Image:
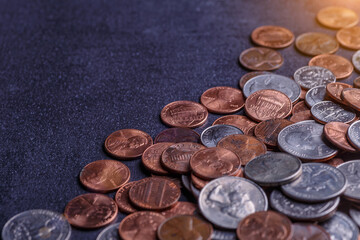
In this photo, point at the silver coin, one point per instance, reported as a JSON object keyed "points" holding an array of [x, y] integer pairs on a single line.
{"points": [[303, 211], [110, 233], [315, 95], [227, 200], [351, 170], [305, 140], [37, 224], [328, 111], [353, 134], [341, 227], [194, 190], [355, 215], [223, 235], [273, 81], [273, 169], [186, 182], [311, 76], [318, 182], [213, 134], [356, 60]]}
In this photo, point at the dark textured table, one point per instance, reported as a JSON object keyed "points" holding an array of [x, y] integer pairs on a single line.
{"points": [[72, 72]]}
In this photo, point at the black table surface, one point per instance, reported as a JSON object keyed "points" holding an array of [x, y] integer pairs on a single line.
{"points": [[72, 72]]}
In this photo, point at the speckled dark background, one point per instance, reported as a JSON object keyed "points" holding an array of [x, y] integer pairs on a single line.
{"points": [[72, 72]]}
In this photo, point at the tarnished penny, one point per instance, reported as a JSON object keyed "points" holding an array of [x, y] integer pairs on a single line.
{"points": [[300, 107], [152, 156], [122, 198], [175, 135], [246, 77], [261, 59], [356, 60], [91, 210], [180, 208], [352, 97], [335, 132], [357, 82], [301, 116], [334, 90], [242, 122], [267, 131], [198, 182], [222, 100], [272, 36], [339, 66], [337, 17], [154, 193], [314, 43], [303, 231], [268, 104], [349, 37], [104, 175], [127, 143], [185, 114], [335, 162]]}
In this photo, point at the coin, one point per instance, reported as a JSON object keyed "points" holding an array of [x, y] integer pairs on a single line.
{"points": [[303, 231], [333, 90], [268, 104], [37, 224], [109, 233], [185, 114], [309, 76], [180, 208], [341, 227], [127, 143], [272, 36], [356, 60], [194, 191], [300, 107], [220, 234], [352, 97], [302, 116], [186, 182], [335, 132], [355, 215], [213, 134], [246, 77], [349, 37], [261, 59], [315, 95], [91, 210], [351, 171], [227, 200], [327, 111], [353, 135], [339, 66], [357, 82], [334, 162], [242, 122], [314, 43], [175, 135], [152, 156], [222, 100], [267, 131], [337, 17], [122, 198], [198, 182]]}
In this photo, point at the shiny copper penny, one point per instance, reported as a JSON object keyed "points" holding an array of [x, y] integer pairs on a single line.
{"points": [[303, 231], [122, 198], [140, 225], [264, 225], [352, 97], [174, 179], [337, 17], [335, 162], [268, 104], [261, 59], [268, 131], [301, 116], [272, 36], [223, 100], [185, 114], [339, 66], [300, 107], [198, 182], [357, 82], [154, 193], [104, 175], [184, 227], [180, 208], [314, 43], [242, 122], [246, 147], [334, 90], [152, 156], [349, 37], [335, 132], [127, 143], [246, 77], [175, 135], [91, 210]]}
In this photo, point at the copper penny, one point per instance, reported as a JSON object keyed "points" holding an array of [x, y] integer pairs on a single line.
{"points": [[334, 90], [352, 97], [335, 162], [349, 37], [175, 180], [127, 143], [242, 122], [246, 147], [301, 116], [303, 231], [104, 175], [211, 163], [176, 158], [302, 94], [152, 156], [357, 82], [198, 182], [184, 227], [185, 114], [140, 225], [122, 198], [261, 59], [337, 17], [268, 131], [91, 210], [175, 135], [246, 77], [264, 225], [300, 107], [339, 66], [154, 193], [268, 104], [180, 208], [272, 36], [335, 132], [313, 43]]}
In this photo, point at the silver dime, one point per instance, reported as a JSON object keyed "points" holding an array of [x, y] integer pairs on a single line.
{"points": [[311, 76], [273, 81], [303, 211], [315, 95], [356, 60], [223, 235], [186, 182], [304, 140], [37, 224], [328, 111], [110, 233], [318, 182], [273, 169], [355, 215], [341, 227], [353, 134], [351, 170], [227, 200], [213, 134]]}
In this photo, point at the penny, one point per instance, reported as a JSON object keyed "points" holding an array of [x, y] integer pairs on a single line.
{"points": [[302, 116], [310, 76], [37, 224], [175, 135], [268, 131], [341, 227], [335, 162], [339, 66], [220, 234], [349, 37], [265, 225], [140, 225], [261, 59], [122, 198], [267, 104], [185, 227], [245, 147], [152, 156], [355, 215], [185, 114], [300, 107], [198, 182], [104, 175], [356, 60], [327, 111], [353, 134], [352, 97], [246, 77], [227, 200], [180, 208], [242, 122], [109, 233], [213, 134], [272, 36], [314, 43], [91, 210], [154, 193], [303, 231], [337, 17], [176, 157], [315, 95], [335, 132], [127, 143], [222, 100], [333, 90], [174, 179], [357, 82], [351, 171]]}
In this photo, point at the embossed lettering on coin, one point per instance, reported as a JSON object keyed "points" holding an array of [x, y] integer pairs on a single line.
{"points": [[268, 131], [309, 76], [327, 111], [152, 156], [261, 59], [315, 95], [213, 134]]}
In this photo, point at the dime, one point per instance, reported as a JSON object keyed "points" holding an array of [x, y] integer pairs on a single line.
{"points": [[333, 90], [353, 134], [314, 43], [335, 162], [355, 215], [356, 60], [194, 191], [109, 233], [327, 111], [351, 170], [335, 132], [213, 134], [227, 200], [242, 122], [175, 135], [349, 37], [152, 156], [309, 76], [268, 131], [91, 210], [339, 66], [357, 82], [315, 95], [220, 234], [222, 100], [186, 182], [300, 107], [185, 114], [341, 227], [352, 97], [246, 77], [37, 224], [122, 198], [302, 231], [180, 208], [302, 116], [337, 17], [261, 59], [272, 36], [198, 182]]}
